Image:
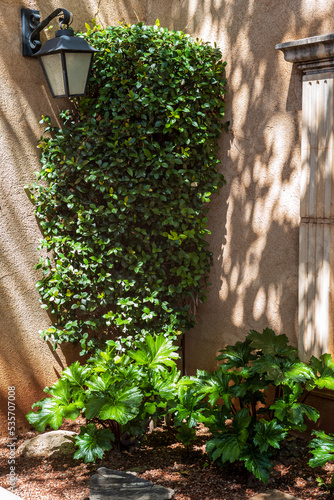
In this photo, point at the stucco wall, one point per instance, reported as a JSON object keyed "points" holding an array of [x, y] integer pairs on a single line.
{"points": [[255, 220], [26, 362]]}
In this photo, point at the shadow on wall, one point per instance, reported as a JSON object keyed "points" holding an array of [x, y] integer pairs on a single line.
{"points": [[26, 362], [255, 220]]}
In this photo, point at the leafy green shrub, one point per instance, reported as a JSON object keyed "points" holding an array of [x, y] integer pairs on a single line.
{"points": [[124, 186], [322, 445], [118, 393], [233, 400], [322, 448]]}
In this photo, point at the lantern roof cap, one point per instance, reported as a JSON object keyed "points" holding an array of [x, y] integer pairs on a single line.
{"points": [[65, 41]]}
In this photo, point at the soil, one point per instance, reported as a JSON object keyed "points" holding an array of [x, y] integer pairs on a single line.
{"points": [[164, 461]]}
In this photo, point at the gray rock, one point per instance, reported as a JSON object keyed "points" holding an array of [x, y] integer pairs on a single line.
{"points": [[273, 495], [116, 485], [53, 444]]}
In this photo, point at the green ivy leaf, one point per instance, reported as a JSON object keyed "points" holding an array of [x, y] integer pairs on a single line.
{"points": [[113, 184]]}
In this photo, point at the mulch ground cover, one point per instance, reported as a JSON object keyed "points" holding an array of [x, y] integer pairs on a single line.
{"points": [[164, 461]]}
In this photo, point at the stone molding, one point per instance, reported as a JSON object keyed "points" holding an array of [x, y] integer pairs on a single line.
{"points": [[312, 55]]}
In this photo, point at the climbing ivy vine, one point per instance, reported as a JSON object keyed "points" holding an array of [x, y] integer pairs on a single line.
{"points": [[124, 186]]}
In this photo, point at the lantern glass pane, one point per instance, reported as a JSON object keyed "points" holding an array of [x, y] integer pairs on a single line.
{"points": [[77, 65], [52, 64]]}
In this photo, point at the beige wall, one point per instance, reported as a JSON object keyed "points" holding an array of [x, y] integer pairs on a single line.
{"points": [[255, 220], [26, 362]]}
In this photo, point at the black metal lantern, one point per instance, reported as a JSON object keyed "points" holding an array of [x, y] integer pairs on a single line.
{"points": [[66, 60]]}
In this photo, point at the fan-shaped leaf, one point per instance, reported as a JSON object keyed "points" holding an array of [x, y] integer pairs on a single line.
{"points": [[76, 374], [238, 355], [323, 369], [155, 352], [257, 464], [268, 434], [52, 412], [271, 344], [93, 443], [322, 448], [227, 447], [120, 403]]}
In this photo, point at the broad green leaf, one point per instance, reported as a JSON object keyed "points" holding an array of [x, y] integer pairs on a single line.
{"points": [[310, 412], [326, 381], [323, 369], [188, 407], [93, 442], [292, 414], [51, 412], [322, 448], [120, 403], [61, 391], [227, 447], [94, 404], [271, 344], [281, 409], [216, 418], [165, 383], [238, 355], [212, 445], [147, 153], [298, 372], [76, 374], [150, 408], [270, 367], [99, 383], [241, 422], [258, 464], [216, 385], [268, 434], [155, 352]]}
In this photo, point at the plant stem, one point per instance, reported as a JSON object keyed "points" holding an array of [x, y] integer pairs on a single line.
{"points": [[305, 397], [253, 407]]}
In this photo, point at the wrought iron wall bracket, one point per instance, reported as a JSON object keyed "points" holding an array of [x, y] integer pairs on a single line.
{"points": [[31, 28]]}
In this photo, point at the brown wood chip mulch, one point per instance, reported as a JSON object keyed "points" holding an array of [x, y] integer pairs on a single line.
{"points": [[162, 460]]}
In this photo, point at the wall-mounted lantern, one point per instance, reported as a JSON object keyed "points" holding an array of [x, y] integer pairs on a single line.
{"points": [[66, 60]]}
